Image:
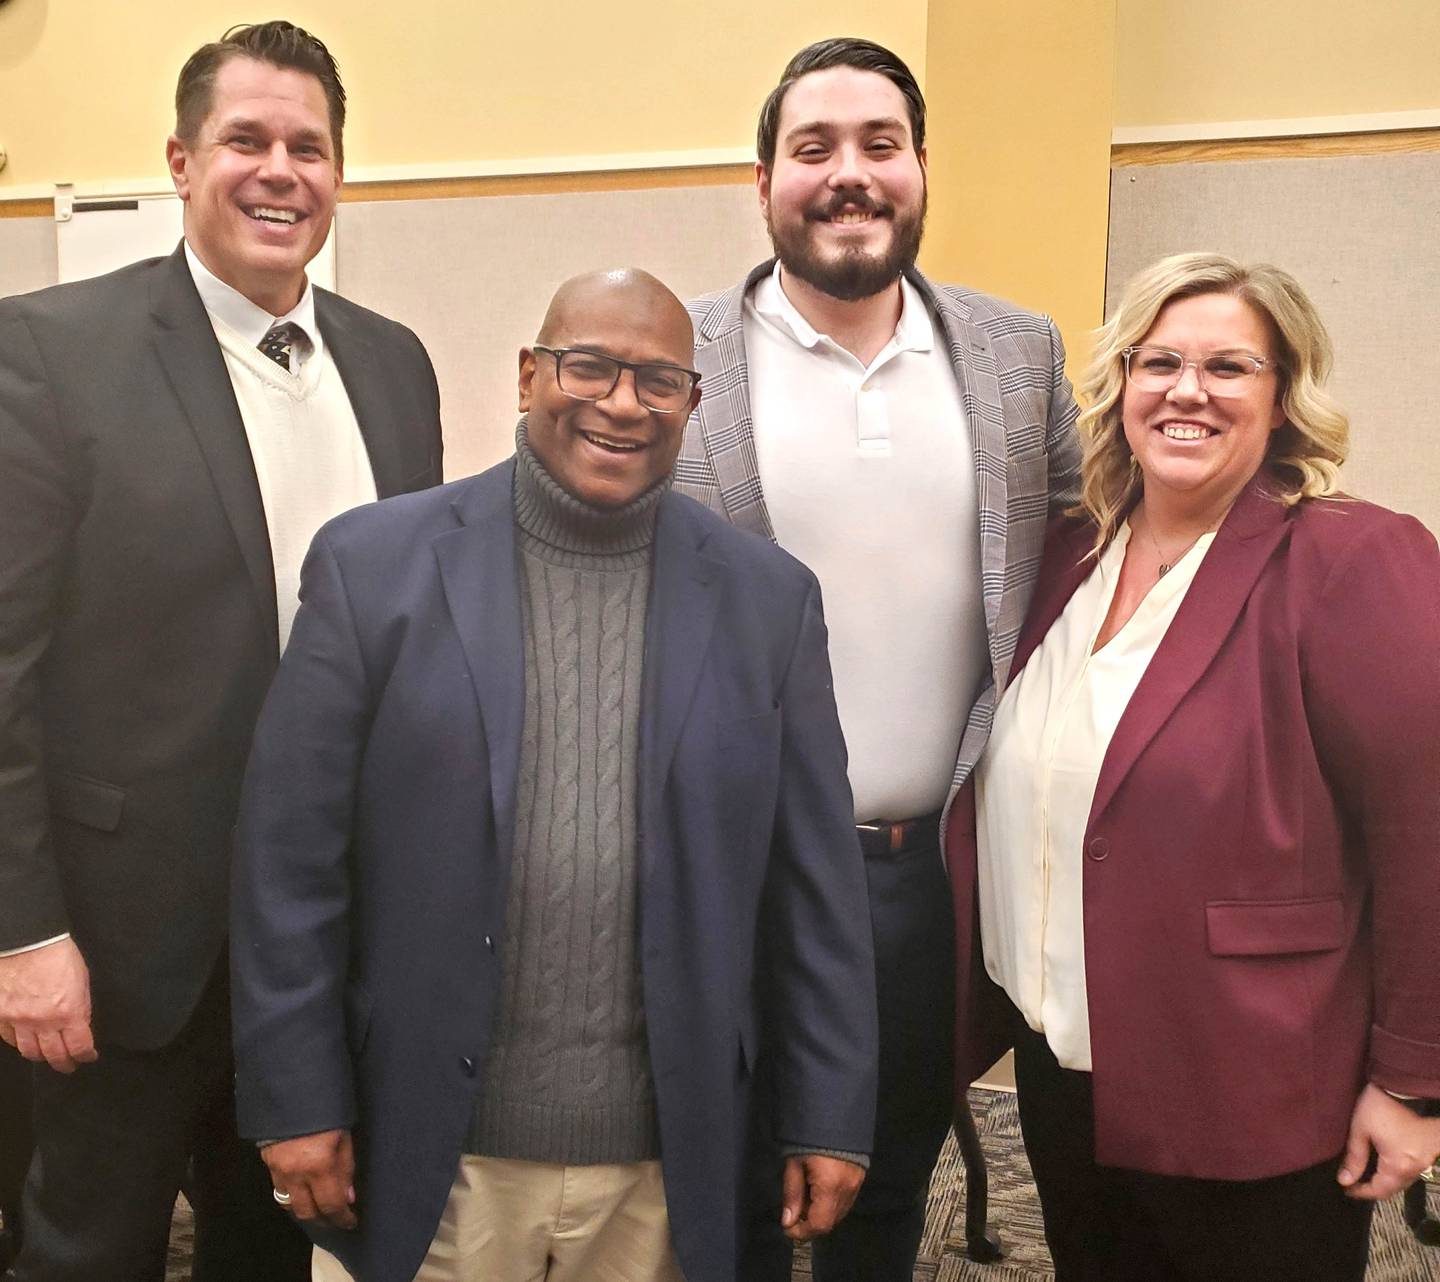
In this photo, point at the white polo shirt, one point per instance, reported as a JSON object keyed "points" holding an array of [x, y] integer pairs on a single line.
{"points": [[869, 478]]}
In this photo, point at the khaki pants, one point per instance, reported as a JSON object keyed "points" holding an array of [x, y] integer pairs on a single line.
{"points": [[509, 1221]]}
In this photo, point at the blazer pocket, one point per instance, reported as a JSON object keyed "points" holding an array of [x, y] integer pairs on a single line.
{"points": [[1027, 464], [748, 732], [1028, 472], [421, 480], [1274, 927], [86, 801]]}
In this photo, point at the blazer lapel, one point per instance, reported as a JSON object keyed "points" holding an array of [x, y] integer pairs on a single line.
{"points": [[974, 362], [1249, 535], [724, 417], [1065, 567], [685, 590], [373, 395], [482, 590], [192, 360]]}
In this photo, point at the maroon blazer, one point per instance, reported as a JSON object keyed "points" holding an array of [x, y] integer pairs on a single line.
{"points": [[1262, 859]]}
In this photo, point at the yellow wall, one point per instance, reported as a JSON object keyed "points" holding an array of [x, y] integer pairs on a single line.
{"points": [[1020, 106], [86, 87], [1023, 95], [1183, 62]]}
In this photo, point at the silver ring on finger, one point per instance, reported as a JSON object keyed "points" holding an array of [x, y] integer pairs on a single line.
{"points": [[281, 1196]]}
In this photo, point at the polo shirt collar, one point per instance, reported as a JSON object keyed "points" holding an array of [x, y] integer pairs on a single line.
{"points": [[914, 332]]}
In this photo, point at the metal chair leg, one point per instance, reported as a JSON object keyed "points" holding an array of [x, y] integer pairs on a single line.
{"points": [[982, 1244], [1425, 1226]]}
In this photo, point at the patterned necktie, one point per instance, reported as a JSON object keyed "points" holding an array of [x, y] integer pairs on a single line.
{"points": [[278, 342]]}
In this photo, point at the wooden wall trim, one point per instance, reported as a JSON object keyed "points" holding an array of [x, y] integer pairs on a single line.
{"points": [[27, 208], [1394, 142], [550, 184], [737, 175]]}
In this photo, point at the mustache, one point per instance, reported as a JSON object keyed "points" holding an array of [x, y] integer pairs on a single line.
{"points": [[855, 200]]}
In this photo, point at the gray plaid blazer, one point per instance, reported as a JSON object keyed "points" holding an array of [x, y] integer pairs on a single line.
{"points": [[1009, 364]]}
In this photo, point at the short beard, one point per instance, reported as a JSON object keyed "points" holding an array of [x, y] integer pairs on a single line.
{"points": [[854, 274]]}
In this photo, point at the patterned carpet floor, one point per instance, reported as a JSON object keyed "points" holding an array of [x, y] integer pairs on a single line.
{"points": [[1395, 1255]]}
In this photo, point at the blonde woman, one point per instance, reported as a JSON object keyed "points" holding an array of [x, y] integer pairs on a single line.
{"points": [[1208, 821]]}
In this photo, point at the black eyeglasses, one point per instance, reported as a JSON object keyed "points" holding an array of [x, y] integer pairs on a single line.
{"points": [[592, 376]]}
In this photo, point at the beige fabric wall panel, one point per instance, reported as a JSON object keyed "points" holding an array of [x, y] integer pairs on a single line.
{"points": [[27, 255], [473, 276], [1360, 234]]}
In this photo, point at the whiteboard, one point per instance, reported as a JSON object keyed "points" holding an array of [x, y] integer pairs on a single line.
{"points": [[102, 235], [471, 275]]}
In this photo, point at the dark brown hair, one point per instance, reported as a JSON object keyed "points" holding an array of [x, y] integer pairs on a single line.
{"points": [[839, 51], [281, 44]]}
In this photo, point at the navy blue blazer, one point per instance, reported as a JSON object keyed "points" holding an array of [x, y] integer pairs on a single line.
{"points": [[374, 849]]}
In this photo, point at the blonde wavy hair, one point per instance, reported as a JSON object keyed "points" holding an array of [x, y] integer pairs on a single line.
{"points": [[1305, 451]]}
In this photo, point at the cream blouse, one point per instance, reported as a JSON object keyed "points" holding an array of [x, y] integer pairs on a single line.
{"points": [[1035, 786]]}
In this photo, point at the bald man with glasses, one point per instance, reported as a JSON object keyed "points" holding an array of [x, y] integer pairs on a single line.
{"points": [[550, 750]]}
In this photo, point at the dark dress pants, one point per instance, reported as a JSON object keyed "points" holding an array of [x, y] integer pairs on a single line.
{"points": [[116, 1140], [914, 929], [14, 1145], [1105, 1224]]}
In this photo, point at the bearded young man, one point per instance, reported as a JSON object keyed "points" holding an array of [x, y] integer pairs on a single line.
{"points": [[908, 442]]}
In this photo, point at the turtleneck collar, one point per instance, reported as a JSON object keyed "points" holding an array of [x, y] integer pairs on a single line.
{"points": [[557, 520]]}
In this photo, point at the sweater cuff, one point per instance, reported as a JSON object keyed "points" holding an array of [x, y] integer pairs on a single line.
{"points": [[862, 1160]]}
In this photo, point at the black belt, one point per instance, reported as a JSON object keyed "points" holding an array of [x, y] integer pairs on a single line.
{"points": [[881, 837]]}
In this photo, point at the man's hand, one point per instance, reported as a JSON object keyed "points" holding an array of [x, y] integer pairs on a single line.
{"points": [[318, 1172], [45, 1005], [817, 1194], [1405, 1143]]}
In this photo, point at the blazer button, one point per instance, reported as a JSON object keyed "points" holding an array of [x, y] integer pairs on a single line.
{"points": [[467, 1066], [489, 943], [1099, 848]]}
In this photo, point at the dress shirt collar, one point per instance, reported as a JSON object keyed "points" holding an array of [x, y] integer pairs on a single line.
{"points": [[914, 332], [229, 306]]}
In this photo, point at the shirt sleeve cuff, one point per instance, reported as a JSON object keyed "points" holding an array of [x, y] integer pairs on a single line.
{"points": [[30, 948]]}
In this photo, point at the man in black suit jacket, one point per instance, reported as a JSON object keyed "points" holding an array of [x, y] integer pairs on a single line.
{"points": [[170, 437]]}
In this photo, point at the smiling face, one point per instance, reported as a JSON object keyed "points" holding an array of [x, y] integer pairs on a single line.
{"points": [[608, 452], [1193, 446], [259, 180], [844, 199]]}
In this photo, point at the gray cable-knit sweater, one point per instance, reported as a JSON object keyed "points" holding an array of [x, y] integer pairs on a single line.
{"points": [[568, 1077]]}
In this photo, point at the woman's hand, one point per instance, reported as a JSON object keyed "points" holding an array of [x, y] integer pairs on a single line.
{"points": [[1406, 1144]]}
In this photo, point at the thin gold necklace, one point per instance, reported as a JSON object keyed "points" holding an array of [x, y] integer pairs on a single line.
{"points": [[1167, 565]]}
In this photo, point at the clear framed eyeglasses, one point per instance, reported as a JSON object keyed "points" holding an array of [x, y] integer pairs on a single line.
{"points": [[1158, 369]]}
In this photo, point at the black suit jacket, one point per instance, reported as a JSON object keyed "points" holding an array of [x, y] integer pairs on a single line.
{"points": [[137, 616]]}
